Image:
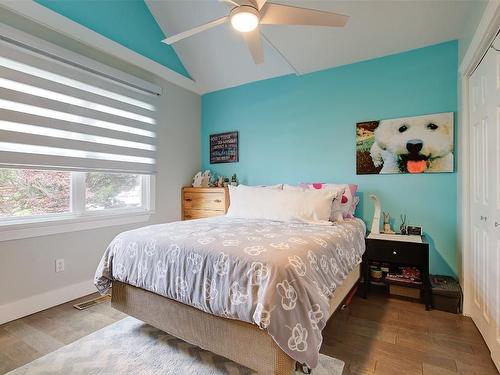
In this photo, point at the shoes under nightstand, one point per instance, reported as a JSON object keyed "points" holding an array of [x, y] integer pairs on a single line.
{"points": [[398, 251]]}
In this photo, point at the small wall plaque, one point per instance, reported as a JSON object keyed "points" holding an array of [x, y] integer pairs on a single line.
{"points": [[224, 148], [414, 230]]}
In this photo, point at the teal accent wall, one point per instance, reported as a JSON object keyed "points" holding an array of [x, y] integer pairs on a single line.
{"points": [[302, 129], [128, 22]]}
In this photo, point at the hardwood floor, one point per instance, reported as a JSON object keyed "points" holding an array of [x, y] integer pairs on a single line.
{"points": [[382, 335], [379, 335], [26, 339]]}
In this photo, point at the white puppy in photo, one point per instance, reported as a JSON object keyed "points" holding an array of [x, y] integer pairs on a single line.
{"points": [[415, 144]]}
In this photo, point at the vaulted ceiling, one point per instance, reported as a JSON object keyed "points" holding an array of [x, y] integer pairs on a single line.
{"points": [[128, 22], [218, 58]]}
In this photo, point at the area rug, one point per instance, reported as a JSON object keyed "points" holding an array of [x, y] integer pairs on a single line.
{"points": [[130, 346]]}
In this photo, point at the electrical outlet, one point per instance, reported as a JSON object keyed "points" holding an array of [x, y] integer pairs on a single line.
{"points": [[59, 265]]}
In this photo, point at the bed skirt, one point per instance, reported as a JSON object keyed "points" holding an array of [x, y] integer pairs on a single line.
{"points": [[238, 341]]}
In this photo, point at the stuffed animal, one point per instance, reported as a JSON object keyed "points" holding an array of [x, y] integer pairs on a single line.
{"points": [[213, 181], [197, 180], [205, 179], [220, 181]]}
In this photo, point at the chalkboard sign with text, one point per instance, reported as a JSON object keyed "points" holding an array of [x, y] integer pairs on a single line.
{"points": [[224, 148]]}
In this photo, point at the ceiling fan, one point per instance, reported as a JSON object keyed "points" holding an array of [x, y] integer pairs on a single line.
{"points": [[246, 16]]}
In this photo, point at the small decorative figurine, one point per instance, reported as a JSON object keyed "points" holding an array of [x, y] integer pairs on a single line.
{"points": [[205, 178], [376, 215], [387, 225], [197, 180], [220, 181], [226, 182], [402, 227], [213, 181], [234, 180]]}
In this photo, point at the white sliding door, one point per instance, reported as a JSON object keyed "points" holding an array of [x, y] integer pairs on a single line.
{"points": [[485, 199]]}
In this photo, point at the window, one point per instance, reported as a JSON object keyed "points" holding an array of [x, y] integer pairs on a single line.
{"points": [[112, 190], [30, 194], [25, 192], [77, 141]]}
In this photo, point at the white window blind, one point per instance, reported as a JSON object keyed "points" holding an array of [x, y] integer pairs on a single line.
{"points": [[57, 116]]}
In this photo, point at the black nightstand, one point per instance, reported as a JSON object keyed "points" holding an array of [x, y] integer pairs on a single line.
{"points": [[398, 253]]}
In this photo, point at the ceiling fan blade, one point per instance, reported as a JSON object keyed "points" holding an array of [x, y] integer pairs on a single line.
{"points": [[260, 3], [276, 14], [195, 30], [254, 44], [236, 3]]}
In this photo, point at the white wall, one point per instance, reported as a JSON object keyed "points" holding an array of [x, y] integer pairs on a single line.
{"points": [[27, 277], [469, 28]]}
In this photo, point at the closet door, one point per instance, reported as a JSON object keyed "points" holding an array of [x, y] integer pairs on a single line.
{"points": [[494, 213], [485, 199]]}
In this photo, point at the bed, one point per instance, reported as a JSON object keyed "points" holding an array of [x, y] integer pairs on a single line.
{"points": [[258, 292]]}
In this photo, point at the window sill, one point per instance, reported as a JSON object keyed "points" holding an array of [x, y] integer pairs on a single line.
{"points": [[35, 227]]}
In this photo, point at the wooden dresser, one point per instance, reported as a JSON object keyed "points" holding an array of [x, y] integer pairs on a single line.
{"points": [[198, 203]]}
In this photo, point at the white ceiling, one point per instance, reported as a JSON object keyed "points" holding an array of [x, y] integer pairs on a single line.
{"points": [[218, 58]]}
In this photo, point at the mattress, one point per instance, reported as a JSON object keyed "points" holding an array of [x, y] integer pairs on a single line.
{"points": [[279, 276]]}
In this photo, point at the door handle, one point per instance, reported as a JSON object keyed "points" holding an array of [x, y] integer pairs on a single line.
{"points": [[217, 201], [484, 218], [497, 224], [189, 200], [395, 252]]}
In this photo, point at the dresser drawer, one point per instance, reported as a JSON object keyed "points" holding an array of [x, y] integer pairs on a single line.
{"points": [[199, 203], [204, 201], [415, 254], [201, 214]]}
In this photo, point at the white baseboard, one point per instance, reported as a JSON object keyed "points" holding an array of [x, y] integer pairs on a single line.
{"points": [[27, 306]]}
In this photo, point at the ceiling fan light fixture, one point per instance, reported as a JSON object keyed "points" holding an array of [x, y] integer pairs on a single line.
{"points": [[244, 18]]}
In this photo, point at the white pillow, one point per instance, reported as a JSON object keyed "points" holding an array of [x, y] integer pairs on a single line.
{"points": [[277, 186], [336, 207], [294, 187], [312, 206]]}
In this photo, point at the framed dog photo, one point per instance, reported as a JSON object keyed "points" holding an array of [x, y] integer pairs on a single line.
{"points": [[420, 144]]}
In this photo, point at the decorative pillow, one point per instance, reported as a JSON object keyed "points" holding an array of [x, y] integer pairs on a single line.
{"points": [[312, 206], [335, 211], [342, 208], [353, 207], [349, 201]]}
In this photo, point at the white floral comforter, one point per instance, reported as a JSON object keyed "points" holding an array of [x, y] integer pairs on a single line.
{"points": [[277, 275]]}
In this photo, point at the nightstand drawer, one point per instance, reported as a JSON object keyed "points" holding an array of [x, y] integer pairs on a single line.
{"points": [[201, 214], [205, 201], [397, 252]]}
